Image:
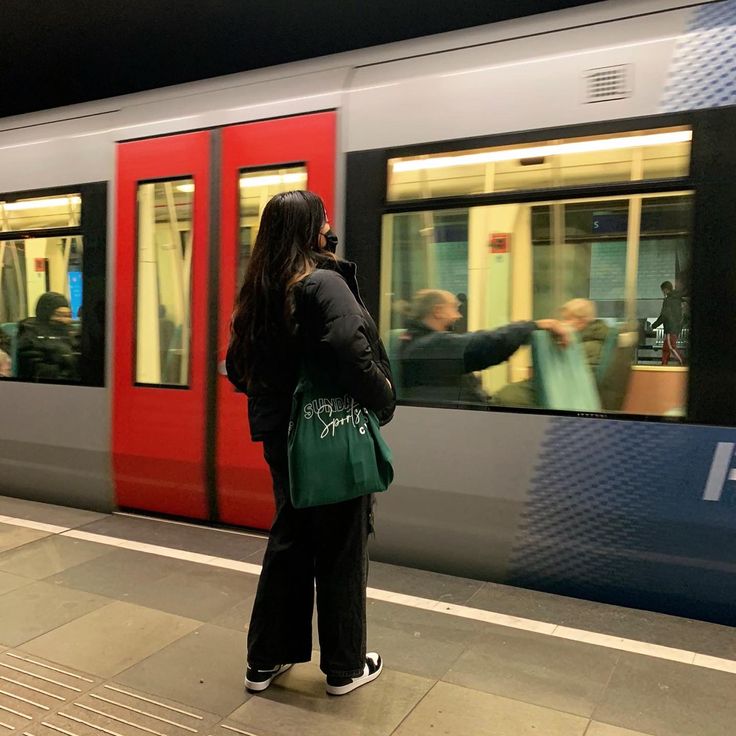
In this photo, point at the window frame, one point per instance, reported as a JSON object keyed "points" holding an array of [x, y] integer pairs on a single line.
{"points": [[710, 398], [145, 384]]}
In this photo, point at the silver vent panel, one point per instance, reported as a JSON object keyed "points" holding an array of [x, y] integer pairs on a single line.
{"points": [[608, 83]]}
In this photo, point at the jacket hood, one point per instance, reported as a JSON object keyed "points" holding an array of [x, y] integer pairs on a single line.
{"points": [[48, 303]]}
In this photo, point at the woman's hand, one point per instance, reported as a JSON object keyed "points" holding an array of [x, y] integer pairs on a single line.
{"points": [[559, 330]]}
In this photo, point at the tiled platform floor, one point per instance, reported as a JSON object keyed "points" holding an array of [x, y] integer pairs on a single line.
{"points": [[111, 638]]}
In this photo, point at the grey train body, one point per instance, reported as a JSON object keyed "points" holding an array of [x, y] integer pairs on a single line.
{"points": [[559, 503]]}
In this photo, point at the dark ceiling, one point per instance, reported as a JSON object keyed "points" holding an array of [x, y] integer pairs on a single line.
{"points": [[58, 52]]}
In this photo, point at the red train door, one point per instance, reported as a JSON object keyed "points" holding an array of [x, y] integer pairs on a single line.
{"points": [[188, 210], [258, 160], [159, 388]]}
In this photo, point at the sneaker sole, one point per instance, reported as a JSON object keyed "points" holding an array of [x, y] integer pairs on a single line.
{"points": [[345, 689], [258, 687]]}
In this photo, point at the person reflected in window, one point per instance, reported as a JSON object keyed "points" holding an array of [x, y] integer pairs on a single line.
{"points": [[47, 347], [581, 316], [438, 365], [670, 317]]}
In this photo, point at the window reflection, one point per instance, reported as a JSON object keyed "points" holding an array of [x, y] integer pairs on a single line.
{"points": [[664, 315], [451, 277]]}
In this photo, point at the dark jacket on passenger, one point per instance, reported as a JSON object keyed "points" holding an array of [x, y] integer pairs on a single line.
{"points": [[671, 315], [438, 365], [336, 338], [47, 351]]}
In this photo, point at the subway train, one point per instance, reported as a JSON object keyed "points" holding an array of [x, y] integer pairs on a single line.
{"points": [[581, 154]]}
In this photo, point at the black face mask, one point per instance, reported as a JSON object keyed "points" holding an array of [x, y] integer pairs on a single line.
{"points": [[331, 238]]}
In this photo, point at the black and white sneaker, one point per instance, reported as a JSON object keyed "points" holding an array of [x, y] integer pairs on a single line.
{"points": [[344, 685], [258, 680]]}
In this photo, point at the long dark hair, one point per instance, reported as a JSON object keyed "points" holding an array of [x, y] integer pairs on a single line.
{"points": [[287, 249]]}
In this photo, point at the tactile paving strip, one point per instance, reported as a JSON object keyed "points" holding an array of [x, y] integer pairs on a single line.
{"points": [[31, 689], [225, 729], [39, 698]]}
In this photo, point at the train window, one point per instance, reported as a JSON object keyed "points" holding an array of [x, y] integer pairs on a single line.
{"points": [[52, 285], [632, 156], [163, 315], [662, 306], [256, 187], [597, 263], [40, 213]]}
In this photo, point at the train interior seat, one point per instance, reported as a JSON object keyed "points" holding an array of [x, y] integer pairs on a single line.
{"points": [[607, 352], [562, 377], [614, 369]]}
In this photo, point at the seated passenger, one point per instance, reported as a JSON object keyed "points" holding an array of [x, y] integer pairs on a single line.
{"points": [[6, 364], [47, 347], [437, 364], [581, 316]]}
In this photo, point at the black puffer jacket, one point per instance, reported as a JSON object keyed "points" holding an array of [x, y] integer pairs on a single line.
{"points": [[47, 352], [671, 315], [336, 337]]}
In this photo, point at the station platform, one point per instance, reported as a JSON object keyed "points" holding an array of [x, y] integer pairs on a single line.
{"points": [[120, 625]]}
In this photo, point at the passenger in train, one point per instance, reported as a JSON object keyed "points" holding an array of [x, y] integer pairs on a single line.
{"points": [[581, 316], [670, 317], [6, 364], [47, 346], [300, 304], [437, 364]]}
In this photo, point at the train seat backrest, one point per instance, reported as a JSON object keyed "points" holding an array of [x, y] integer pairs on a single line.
{"points": [[614, 380], [608, 350], [11, 330], [562, 378]]}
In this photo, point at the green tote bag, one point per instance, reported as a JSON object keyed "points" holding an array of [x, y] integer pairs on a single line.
{"points": [[336, 451]]}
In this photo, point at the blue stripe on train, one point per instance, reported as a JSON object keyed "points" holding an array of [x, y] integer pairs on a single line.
{"points": [[617, 511]]}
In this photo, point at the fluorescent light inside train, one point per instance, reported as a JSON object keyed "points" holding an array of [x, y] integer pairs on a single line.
{"points": [[559, 149], [272, 180], [39, 204], [252, 182]]}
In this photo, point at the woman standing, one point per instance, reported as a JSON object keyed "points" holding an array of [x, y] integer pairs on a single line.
{"points": [[300, 305]]}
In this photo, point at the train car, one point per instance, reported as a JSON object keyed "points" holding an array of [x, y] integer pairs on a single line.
{"points": [[582, 154]]}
